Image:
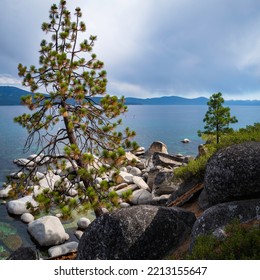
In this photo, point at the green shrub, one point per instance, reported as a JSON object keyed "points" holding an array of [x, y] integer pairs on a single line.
{"points": [[241, 243], [196, 168]]}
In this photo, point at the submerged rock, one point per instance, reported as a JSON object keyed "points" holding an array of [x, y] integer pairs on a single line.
{"points": [[139, 232], [24, 253]]}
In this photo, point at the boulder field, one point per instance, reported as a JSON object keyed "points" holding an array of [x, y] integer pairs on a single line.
{"points": [[148, 224]]}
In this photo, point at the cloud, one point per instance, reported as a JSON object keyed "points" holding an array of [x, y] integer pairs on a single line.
{"points": [[6, 79], [150, 47]]}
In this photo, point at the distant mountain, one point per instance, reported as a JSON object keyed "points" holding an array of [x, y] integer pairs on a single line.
{"points": [[166, 100], [12, 96]]}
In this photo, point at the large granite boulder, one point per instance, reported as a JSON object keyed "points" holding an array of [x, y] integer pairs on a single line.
{"points": [[156, 146], [48, 231], [233, 174], [218, 216], [139, 232], [163, 183]]}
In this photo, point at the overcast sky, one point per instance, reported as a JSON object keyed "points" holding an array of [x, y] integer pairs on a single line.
{"points": [[151, 48]]}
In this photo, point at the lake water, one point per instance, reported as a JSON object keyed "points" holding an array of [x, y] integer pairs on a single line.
{"points": [[169, 124]]}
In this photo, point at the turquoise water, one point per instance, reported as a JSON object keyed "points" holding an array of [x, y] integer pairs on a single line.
{"points": [[169, 124]]}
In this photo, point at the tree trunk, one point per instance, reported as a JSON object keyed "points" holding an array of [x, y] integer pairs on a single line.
{"points": [[72, 139]]}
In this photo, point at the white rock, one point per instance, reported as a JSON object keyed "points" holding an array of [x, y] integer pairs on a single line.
{"points": [[35, 158], [131, 187], [48, 231], [140, 183], [118, 187], [140, 197], [124, 169], [139, 151], [135, 171], [124, 205], [27, 218], [83, 223], [78, 233], [63, 249], [72, 192], [124, 177], [185, 140], [19, 206], [4, 192], [24, 162], [15, 175], [39, 175], [49, 180], [131, 157], [104, 210]]}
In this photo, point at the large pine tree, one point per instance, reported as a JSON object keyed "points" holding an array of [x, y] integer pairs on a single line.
{"points": [[67, 122]]}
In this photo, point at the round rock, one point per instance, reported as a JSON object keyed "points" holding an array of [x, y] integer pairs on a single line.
{"points": [[83, 223], [27, 218]]}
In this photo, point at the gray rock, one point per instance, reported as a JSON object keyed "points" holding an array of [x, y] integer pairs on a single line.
{"points": [[4, 193], [139, 232], [160, 200], [78, 233], [202, 150], [27, 218], [64, 249], [124, 177], [131, 158], [156, 146], [131, 187], [141, 183], [139, 197], [135, 171], [164, 160], [124, 205], [233, 173], [48, 231], [163, 183], [19, 206], [83, 223], [118, 187], [139, 151], [222, 214], [24, 162]]}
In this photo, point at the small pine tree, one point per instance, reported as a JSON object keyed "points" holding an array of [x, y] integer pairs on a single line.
{"points": [[69, 123], [217, 118]]}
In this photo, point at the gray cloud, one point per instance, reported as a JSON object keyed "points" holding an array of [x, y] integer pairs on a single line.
{"points": [[153, 48]]}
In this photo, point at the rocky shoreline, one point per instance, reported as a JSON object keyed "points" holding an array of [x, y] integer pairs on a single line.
{"points": [[148, 224]]}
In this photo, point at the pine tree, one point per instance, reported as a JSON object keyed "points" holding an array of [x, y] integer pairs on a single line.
{"points": [[69, 122], [217, 118]]}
